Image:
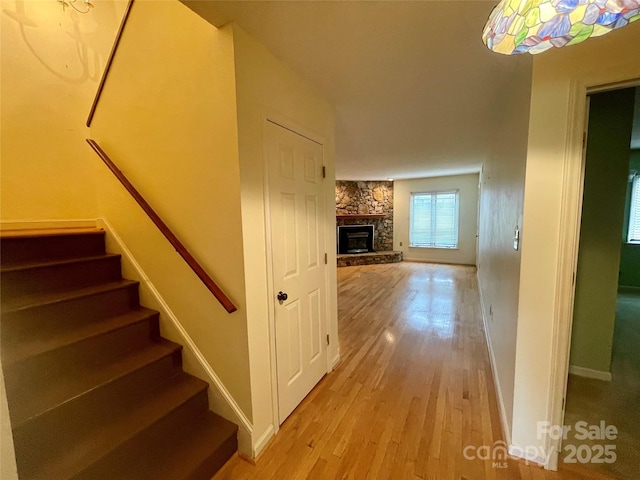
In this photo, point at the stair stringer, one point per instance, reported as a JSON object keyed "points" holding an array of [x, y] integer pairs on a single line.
{"points": [[193, 361], [8, 468]]}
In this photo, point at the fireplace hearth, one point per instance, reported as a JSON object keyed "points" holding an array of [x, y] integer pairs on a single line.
{"points": [[355, 239]]}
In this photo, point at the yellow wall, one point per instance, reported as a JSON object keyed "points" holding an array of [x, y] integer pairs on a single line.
{"points": [[555, 128], [267, 88], [167, 117], [51, 63], [170, 118], [467, 185], [182, 114]]}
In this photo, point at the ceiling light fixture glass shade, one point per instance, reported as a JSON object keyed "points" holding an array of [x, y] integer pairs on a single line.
{"points": [[533, 26]]}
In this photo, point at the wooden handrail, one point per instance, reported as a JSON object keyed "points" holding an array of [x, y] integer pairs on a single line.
{"points": [[155, 218], [107, 66]]}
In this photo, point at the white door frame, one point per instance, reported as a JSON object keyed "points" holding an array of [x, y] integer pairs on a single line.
{"points": [[292, 126], [570, 218], [478, 210]]}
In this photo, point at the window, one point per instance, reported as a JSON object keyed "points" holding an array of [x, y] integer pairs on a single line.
{"points": [[634, 215], [434, 220]]}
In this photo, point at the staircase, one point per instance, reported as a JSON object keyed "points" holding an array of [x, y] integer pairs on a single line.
{"points": [[94, 391]]}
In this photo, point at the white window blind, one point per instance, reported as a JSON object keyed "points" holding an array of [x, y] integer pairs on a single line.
{"points": [[434, 220], [634, 216]]}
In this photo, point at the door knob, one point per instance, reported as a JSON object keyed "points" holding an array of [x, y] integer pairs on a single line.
{"points": [[282, 297]]}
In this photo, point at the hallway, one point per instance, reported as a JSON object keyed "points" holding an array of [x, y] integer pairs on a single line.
{"points": [[413, 388]]}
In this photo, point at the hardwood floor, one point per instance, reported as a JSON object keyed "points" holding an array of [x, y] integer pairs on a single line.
{"points": [[412, 394]]}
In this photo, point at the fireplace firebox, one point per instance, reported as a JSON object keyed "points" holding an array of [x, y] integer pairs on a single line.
{"points": [[355, 238]]}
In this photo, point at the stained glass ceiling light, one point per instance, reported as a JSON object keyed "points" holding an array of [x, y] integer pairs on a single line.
{"points": [[533, 26]]}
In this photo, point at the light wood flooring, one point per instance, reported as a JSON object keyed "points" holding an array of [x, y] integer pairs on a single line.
{"points": [[413, 388]]}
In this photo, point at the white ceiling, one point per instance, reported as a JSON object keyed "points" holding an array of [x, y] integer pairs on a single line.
{"points": [[412, 83]]}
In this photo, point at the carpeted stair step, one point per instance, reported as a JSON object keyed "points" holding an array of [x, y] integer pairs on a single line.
{"points": [[137, 322], [66, 452], [46, 314], [89, 354], [191, 452], [83, 409], [34, 246], [93, 391], [31, 279], [29, 397]]}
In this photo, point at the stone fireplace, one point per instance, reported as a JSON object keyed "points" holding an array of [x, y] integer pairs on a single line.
{"points": [[370, 203], [364, 217]]}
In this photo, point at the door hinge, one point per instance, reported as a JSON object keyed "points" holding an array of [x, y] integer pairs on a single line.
{"points": [[325, 258], [324, 172], [328, 342], [584, 140]]}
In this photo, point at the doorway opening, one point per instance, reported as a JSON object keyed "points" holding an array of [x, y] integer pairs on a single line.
{"points": [[601, 419]]}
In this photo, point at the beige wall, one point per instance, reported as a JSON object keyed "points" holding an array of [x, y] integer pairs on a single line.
{"points": [[167, 117], [267, 88], [501, 200], [51, 63], [560, 79], [467, 185]]}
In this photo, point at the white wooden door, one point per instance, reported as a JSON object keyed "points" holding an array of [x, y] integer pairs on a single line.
{"points": [[296, 205]]}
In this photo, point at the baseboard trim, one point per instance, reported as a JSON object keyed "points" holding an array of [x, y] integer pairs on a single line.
{"points": [[629, 289], [492, 360], [212, 377], [522, 453], [335, 361], [262, 441], [437, 262], [590, 373]]}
